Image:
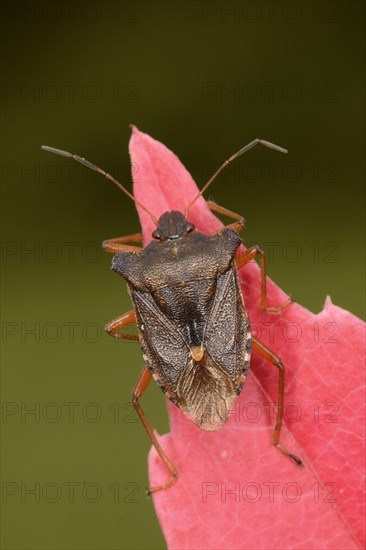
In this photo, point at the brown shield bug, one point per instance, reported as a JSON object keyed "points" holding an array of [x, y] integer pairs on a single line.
{"points": [[193, 327]]}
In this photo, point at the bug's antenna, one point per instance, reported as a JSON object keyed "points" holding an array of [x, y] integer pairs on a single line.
{"points": [[97, 169], [233, 157]]}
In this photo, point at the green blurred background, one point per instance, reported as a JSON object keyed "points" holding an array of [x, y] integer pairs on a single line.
{"points": [[204, 78]]}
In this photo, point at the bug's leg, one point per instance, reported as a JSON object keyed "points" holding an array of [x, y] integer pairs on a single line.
{"points": [[116, 245], [245, 257], [239, 225], [275, 360], [113, 327], [141, 385], [248, 255]]}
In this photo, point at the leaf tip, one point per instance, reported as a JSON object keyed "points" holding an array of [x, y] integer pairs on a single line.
{"points": [[328, 302]]}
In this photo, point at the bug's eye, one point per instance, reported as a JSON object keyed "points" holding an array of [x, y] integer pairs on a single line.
{"points": [[156, 235], [190, 227]]}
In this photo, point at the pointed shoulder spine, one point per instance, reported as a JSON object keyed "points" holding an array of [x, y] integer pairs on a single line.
{"points": [[124, 262], [231, 238]]}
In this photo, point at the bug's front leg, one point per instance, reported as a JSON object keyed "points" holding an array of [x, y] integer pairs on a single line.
{"points": [[245, 257], [116, 244], [113, 327], [141, 385], [239, 225], [275, 360], [248, 255]]}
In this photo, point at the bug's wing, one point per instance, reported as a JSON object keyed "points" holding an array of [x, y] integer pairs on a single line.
{"points": [[164, 349], [227, 336], [207, 390]]}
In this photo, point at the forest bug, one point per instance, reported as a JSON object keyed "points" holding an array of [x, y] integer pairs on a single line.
{"points": [[193, 327]]}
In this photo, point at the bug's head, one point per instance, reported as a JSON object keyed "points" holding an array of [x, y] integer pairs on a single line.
{"points": [[172, 225]]}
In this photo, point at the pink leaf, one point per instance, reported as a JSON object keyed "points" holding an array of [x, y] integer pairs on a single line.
{"points": [[234, 489]]}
